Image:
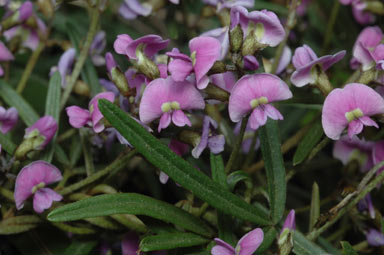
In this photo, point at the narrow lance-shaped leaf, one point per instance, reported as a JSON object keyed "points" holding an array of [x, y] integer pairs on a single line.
{"points": [[309, 141], [171, 241], [315, 206], [10, 96], [274, 165], [224, 221], [303, 246], [129, 203], [79, 248], [347, 249], [7, 144], [52, 108], [177, 168]]}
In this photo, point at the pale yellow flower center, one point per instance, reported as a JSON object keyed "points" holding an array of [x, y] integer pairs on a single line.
{"points": [[353, 115], [258, 101], [37, 187], [170, 106]]}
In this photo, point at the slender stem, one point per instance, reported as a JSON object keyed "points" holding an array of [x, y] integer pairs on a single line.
{"points": [[330, 26], [361, 246], [88, 157], [318, 148], [291, 21], [373, 184], [95, 15], [30, 65], [67, 134], [119, 163], [237, 145]]}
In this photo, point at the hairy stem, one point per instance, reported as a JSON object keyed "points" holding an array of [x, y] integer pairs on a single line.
{"points": [[95, 15]]}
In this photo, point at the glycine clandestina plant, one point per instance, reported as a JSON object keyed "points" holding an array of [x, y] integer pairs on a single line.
{"points": [[214, 127]]}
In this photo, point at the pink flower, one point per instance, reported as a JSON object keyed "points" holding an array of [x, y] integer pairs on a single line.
{"points": [[254, 94], [32, 180], [265, 25], [130, 244], [214, 142], [204, 53], [369, 49], [358, 10], [8, 119], [125, 45], [166, 99], [290, 222], [42, 132], [305, 62], [5, 55], [347, 149], [130, 9], [378, 154], [222, 35], [225, 80], [79, 117], [247, 245], [374, 237], [350, 107]]}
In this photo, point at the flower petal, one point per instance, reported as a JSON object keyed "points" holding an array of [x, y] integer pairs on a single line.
{"points": [[43, 199], [78, 117], [180, 119], [222, 248], [249, 243]]}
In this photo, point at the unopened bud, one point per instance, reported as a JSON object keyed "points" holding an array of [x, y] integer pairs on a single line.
{"points": [[285, 242], [218, 67], [145, 65], [46, 7], [190, 137], [21, 15], [116, 75], [215, 92], [236, 38], [81, 88], [376, 7]]}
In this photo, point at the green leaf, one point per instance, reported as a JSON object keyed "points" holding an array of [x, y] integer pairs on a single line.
{"points": [[79, 248], [7, 144], [129, 203], [315, 206], [10, 96], [171, 241], [18, 224], [274, 165], [224, 221], [178, 169], [309, 141], [88, 74], [270, 235], [327, 246], [347, 249], [236, 177], [303, 246], [52, 108]]}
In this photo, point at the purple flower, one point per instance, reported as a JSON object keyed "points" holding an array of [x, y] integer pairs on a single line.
{"points": [[125, 45], [8, 119], [290, 222], [42, 132], [350, 107], [221, 34], [204, 53], [366, 204], [97, 47], [283, 63], [79, 117], [229, 3], [225, 80], [378, 154], [247, 245], [250, 63], [264, 25], [130, 244], [214, 142], [65, 65], [347, 149], [32, 180], [254, 94], [5, 55], [358, 10], [369, 49], [305, 62], [130, 9], [27, 30], [374, 237], [166, 99]]}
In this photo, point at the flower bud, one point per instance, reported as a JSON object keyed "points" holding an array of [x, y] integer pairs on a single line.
{"points": [[37, 136], [19, 16], [236, 38], [145, 65], [116, 75], [285, 241]]}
